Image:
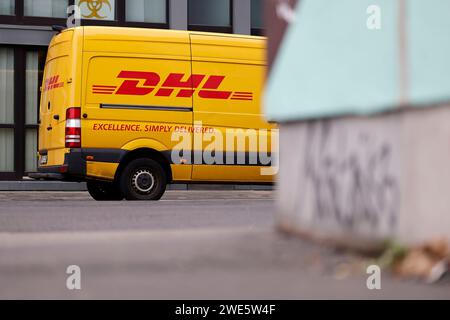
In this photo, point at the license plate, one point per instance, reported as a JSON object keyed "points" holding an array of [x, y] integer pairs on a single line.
{"points": [[43, 160]]}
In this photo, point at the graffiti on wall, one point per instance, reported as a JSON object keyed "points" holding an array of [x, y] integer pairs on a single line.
{"points": [[352, 175]]}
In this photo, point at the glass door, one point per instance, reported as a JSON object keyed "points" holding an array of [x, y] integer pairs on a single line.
{"points": [[34, 68], [21, 70], [7, 119]]}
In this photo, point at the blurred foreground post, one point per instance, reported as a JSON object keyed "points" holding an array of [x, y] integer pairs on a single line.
{"points": [[362, 93]]}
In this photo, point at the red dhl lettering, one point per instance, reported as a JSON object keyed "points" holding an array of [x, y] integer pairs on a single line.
{"points": [[141, 83], [52, 83], [116, 127], [150, 128]]}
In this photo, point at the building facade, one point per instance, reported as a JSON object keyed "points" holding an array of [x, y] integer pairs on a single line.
{"points": [[25, 32]]}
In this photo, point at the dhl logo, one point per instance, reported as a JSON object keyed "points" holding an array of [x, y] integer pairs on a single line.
{"points": [[52, 83], [140, 83]]}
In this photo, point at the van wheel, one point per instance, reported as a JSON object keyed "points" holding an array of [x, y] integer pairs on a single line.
{"points": [[143, 179], [104, 191]]}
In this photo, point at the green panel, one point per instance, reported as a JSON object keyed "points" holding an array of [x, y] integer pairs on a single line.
{"points": [[429, 44], [331, 64]]}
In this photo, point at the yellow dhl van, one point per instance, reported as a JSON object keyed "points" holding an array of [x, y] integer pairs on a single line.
{"points": [[129, 110]]}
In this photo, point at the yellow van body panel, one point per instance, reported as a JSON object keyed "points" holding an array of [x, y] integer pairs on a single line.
{"points": [[102, 170], [145, 143], [156, 90], [243, 63]]}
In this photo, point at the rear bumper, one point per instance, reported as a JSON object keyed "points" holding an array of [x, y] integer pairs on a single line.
{"points": [[73, 169], [46, 176]]}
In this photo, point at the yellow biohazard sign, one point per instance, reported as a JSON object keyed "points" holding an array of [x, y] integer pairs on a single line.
{"points": [[95, 8]]}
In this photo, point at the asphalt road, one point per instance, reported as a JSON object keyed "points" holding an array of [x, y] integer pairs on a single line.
{"points": [[189, 245], [178, 210]]}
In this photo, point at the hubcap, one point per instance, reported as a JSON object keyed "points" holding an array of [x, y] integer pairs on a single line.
{"points": [[143, 181]]}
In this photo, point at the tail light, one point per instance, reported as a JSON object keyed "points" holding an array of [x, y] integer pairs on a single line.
{"points": [[73, 128]]}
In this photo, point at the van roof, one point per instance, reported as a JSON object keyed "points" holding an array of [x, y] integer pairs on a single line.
{"points": [[166, 34]]}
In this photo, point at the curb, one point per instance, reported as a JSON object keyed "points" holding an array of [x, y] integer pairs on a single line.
{"points": [[81, 186], [41, 186]]}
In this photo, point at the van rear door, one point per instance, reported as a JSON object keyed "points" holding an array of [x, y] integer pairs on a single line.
{"points": [[55, 100]]}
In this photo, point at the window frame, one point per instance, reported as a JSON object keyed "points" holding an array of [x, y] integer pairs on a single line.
{"points": [[23, 125], [120, 18], [36, 20], [145, 24], [20, 19], [206, 28], [9, 18], [19, 126], [256, 31], [14, 126]]}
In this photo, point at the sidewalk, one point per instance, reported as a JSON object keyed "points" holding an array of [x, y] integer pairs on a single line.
{"points": [[219, 263]]}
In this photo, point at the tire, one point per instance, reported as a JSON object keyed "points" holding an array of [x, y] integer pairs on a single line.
{"points": [[143, 179], [104, 191]]}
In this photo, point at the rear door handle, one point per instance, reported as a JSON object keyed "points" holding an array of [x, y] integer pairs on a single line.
{"points": [[56, 117], [49, 128]]}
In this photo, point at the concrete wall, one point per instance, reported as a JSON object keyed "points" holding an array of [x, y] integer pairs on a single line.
{"points": [[241, 17], [178, 18], [25, 35], [362, 180]]}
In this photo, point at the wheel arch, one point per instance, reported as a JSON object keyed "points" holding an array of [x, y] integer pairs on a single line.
{"points": [[145, 153]]}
